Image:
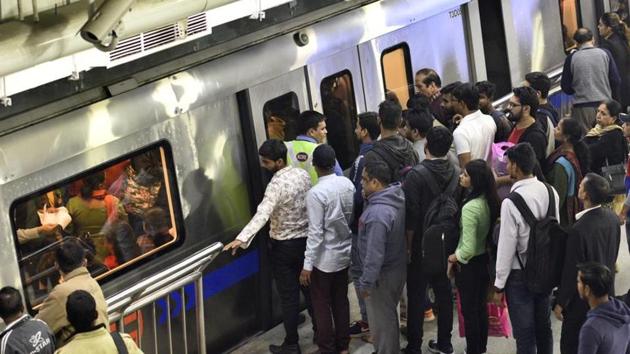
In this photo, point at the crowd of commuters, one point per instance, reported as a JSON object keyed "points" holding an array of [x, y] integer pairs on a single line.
{"points": [[420, 207]]}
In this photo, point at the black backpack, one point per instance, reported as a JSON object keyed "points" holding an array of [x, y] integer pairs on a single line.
{"points": [[441, 224], [545, 247]]}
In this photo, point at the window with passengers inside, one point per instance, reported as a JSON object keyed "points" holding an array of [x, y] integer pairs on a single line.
{"points": [[122, 212]]}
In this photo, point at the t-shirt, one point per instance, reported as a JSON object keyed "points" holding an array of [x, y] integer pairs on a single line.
{"points": [[515, 136], [475, 135]]}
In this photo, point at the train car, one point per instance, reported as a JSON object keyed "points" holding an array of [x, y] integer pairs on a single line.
{"points": [[184, 145]]}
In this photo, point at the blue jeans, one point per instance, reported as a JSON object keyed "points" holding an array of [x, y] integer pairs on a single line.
{"points": [[530, 316], [355, 274]]}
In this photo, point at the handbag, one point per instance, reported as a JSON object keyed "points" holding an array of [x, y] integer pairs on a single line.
{"points": [[498, 318], [615, 174]]}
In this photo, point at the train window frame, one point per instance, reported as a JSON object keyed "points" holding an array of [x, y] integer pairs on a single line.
{"points": [[353, 119], [578, 19], [172, 197], [294, 99], [408, 68]]}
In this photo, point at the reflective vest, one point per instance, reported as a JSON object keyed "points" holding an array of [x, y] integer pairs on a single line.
{"points": [[300, 154]]}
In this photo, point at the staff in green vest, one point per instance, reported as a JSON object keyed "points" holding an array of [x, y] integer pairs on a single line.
{"points": [[312, 132]]}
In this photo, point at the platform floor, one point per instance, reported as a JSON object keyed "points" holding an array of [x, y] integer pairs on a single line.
{"points": [[260, 344]]}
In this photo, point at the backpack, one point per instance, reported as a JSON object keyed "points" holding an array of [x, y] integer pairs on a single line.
{"points": [[547, 121], [545, 247], [441, 224], [504, 127]]}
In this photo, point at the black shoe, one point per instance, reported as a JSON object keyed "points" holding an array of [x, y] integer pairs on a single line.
{"points": [[285, 349], [433, 348], [409, 351]]}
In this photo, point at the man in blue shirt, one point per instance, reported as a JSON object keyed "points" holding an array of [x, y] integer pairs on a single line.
{"points": [[327, 256]]}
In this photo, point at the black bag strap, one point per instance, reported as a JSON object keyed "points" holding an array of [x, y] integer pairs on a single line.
{"points": [[120, 343], [551, 209], [527, 214]]}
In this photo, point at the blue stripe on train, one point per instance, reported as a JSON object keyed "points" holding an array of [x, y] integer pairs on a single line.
{"points": [[213, 283]]}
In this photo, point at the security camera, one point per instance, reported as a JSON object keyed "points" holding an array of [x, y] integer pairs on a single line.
{"points": [[301, 38], [101, 29]]}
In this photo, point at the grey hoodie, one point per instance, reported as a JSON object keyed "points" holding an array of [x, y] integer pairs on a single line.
{"points": [[381, 239], [606, 330]]}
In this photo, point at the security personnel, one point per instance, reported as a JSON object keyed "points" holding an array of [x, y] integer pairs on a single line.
{"points": [[312, 132]]}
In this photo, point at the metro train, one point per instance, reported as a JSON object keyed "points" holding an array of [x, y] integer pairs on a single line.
{"points": [[188, 142]]}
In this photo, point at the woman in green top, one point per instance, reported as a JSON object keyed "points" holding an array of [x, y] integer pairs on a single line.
{"points": [[479, 212]]}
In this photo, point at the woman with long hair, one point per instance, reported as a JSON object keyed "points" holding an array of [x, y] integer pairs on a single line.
{"points": [[566, 166], [479, 212], [613, 38], [605, 141]]}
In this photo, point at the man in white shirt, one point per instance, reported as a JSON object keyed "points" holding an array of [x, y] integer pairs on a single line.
{"points": [[284, 206], [327, 256], [474, 136], [529, 312]]}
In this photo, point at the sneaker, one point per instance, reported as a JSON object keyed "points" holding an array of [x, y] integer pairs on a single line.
{"points": [[359, 328], [429, 316], [433, 348], [285, 349]]}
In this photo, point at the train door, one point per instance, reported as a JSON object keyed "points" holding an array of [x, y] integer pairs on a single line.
{"points": [[275, 106], [336, 88]]}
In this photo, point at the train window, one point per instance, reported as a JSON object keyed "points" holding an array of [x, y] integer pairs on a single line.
{"points": [[340, 109], [397, 73], [570, 20], [124, 213], [280, 116]]}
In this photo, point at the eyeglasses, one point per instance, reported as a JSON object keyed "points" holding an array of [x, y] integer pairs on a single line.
{"points": [[511, 105]]}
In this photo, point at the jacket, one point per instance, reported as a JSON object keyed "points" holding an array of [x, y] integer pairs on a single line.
{"points": [[381, 239], [418, 196], [396, 151], [97, 341], [594, 237], [606, 330], [620, 52], [355, 176], [27, 335], [536, 137], [53, 309], [609, 147]]}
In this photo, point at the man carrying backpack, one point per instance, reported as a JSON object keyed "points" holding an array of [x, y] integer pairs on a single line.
{"points": [[431, 222], [525, 261], [393, 149]]}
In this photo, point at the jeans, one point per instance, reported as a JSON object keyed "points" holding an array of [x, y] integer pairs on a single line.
{"points": [[417, 282], [287, 260], [530, 316], [329, 294], [472, 282], [355, 274]]}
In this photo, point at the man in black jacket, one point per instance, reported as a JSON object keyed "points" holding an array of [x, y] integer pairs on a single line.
{"points": [[22, 334], [594, 237], [417, 199], [393, 149]]}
